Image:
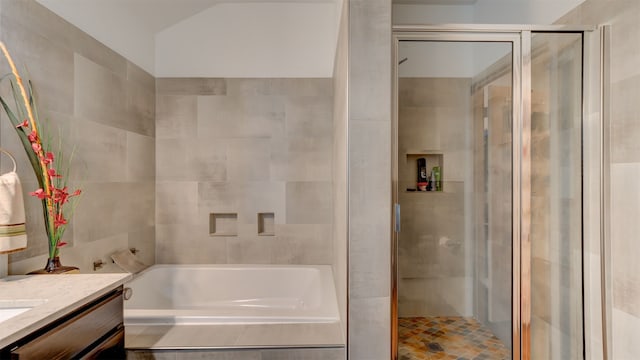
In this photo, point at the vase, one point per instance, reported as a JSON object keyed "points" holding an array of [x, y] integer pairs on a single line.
{"points": [[55, 267]]}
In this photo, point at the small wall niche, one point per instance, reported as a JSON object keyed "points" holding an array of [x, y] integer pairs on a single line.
{"points": [[223, 224], [266, 224], [433, 159]]}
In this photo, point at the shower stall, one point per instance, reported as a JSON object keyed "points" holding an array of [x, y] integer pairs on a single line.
{"points": [[488, 192]]}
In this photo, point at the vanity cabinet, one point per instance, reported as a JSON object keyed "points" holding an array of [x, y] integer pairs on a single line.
{"points": [[94, 331]]}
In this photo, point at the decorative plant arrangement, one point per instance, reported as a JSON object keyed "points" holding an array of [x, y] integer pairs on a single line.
{"points": [[50, 166]]}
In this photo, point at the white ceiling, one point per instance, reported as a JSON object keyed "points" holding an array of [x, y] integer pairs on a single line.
{"points": [[436, 2], [156, 15], [132, 27]]}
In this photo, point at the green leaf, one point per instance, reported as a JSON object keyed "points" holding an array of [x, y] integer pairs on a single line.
{"points": [[25, 142]]}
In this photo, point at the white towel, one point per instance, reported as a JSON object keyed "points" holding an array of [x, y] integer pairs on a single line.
{"points": [[13, 235]]}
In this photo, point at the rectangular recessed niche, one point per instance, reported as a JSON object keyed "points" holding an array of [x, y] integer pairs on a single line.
{"points": [[266, 224], [410, 170], [223, 224]]}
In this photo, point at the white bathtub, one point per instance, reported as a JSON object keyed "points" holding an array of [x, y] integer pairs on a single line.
{"points": [[232, 294]]}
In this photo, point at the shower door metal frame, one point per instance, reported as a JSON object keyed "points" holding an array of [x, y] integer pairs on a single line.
{"points": [[520, 38]]}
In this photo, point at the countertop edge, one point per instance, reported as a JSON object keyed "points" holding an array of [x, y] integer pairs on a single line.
{"points": [[65, 310]]}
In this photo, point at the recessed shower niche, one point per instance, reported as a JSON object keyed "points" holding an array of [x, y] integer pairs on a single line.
{"points": [[433, 171], [266, 224], [223, 224]]}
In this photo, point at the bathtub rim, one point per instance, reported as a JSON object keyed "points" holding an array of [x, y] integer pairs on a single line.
{"points": [[265, 320]]}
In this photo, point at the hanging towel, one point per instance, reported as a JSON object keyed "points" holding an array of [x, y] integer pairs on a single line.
{"points": [[13, 235]]}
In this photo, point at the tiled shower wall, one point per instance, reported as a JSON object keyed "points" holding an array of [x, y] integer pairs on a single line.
{"points": [[106, 106], [624, 84], [434, 251], [244, 147]]}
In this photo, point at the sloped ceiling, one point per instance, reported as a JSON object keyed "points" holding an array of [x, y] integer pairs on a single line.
{"points": [[130, 26], [436, 2], [137, 29]]}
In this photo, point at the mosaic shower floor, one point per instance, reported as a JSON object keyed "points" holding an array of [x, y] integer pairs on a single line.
{"points": [[447, 337]]}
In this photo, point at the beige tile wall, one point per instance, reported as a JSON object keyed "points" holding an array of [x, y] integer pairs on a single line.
{"points": [[623, 16], [369, 186], [434, 261], [244, 146], [105, 106]]}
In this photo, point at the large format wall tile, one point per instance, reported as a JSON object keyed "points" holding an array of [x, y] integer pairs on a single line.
{"points": [[191, 86], [235, 116], [109, 98], [308, 203], [185, 244], [434, 115], [176, 116], [101, 95], [370, 326], [104, 108], [287, 87], [54, 88], [141, 157], [625, 121], [99, 144], [625, 194], [369, 184], [303, 244], [245, 146]]}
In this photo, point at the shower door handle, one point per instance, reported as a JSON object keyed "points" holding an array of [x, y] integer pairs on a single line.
{"points": [[397, 218]]}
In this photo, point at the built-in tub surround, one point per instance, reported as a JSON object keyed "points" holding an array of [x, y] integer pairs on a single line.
{"points": [[234, 307], [244, 147], [104, 106], [184, 295]]}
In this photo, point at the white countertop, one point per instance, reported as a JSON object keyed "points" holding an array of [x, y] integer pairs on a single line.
{"points": [[61, 294]]}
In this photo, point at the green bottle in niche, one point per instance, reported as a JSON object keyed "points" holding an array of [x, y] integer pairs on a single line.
{"points": [[436, 173]]}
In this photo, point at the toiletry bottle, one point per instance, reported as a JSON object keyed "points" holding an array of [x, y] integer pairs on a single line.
{"points": [[436, 172], [422, 174]]}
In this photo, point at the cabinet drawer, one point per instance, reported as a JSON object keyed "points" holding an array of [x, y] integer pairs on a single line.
{"points": [[70, 338], [110, 348]]}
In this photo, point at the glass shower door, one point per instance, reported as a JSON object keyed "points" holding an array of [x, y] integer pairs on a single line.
{"points": [[488, 174], [455, 174], [556, 197]]}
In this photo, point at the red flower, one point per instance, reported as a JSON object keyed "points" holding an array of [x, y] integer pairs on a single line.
{"points": [[48, 158], [59, 220], [25, 123], [61, 244], [60, 195], [52, 173], [36, 147], [33, 136], [76, 193], [40, 194]]}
